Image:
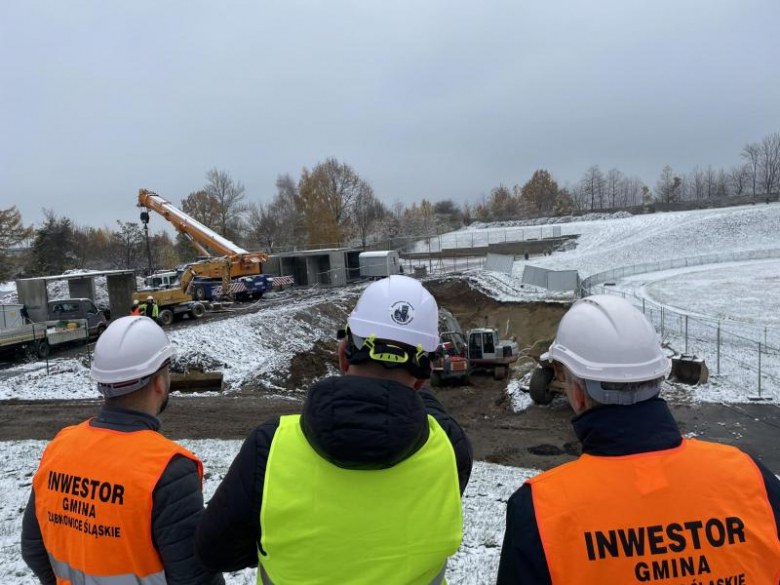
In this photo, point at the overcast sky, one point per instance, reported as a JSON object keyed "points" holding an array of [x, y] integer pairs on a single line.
{"points": [[424, 98]]}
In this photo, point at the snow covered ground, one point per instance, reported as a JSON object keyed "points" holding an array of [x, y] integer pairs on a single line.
{"points": [[253, 347], [476, 563], [623, 240], [744, 292]]}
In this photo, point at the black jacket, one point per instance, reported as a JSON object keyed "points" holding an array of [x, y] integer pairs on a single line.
{"points": [[606, 431], [176, 510], [353, 422]]}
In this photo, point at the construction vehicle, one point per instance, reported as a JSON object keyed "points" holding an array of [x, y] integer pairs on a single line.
{"points": [[19, 333], [229, 269], [545, 382], [449, 362], [245, 276], [487, 351]]}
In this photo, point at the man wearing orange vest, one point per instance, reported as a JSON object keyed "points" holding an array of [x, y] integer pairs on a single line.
{"points": [[365, 486], [113, 501], [642, 504]]}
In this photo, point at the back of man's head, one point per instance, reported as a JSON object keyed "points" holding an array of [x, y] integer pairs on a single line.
{"points": [[609, 349], [391, 330]]}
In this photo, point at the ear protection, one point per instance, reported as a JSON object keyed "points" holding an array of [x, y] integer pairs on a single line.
{"points": [[415, 361]]}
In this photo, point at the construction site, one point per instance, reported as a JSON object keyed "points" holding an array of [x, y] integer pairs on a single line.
{"points": [[252, 333]]}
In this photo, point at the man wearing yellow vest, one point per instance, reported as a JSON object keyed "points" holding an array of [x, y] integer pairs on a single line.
{"points": [[642, 504], [113, 501], [365, 486]]}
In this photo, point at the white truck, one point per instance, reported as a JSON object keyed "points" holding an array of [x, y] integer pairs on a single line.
{"points": [[70, 321]]}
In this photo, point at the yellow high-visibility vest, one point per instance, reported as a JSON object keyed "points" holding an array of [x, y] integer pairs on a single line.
{"points": [[322, 524]]}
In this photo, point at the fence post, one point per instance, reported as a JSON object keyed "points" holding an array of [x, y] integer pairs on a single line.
{"points": [[718, 370], [686, 333], [643, 306], [89, 353], [759, 369], [662, 322]]}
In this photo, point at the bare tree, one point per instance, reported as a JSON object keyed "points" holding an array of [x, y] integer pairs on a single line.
{"points": [[721, 184], [698, 184], [770, 164], [126, 245], [739, 178], [634, 189], [368, 212], [752, 154], [592, 185], [230, 195], [709, 182], [668, 186], [615, 182]]}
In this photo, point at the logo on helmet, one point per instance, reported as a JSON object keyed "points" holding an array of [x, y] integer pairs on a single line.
{"points": [[402, 313]]}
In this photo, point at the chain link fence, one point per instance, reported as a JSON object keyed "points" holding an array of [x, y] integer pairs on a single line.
{"points": [[744, 354]]}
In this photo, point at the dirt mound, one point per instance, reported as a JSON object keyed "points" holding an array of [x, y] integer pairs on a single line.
{"points": [[320, 361], [528, 321]]}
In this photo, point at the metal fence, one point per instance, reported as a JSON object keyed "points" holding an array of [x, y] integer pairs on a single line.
{"points": [[432, 265], [745, 354], [478, 238]]}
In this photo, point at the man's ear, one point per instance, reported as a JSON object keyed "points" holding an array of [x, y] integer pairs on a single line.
{"points": [[343, 361], [579, 398], [419, 384]]}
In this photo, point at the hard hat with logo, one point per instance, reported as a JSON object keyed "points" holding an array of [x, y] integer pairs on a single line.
{"points": [[397, 308], [604, 339], [128, 353]]}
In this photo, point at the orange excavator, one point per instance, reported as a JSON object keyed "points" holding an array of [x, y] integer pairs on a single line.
{"points": [[226, 270]]}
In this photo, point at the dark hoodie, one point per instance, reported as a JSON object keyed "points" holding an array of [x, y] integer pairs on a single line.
{"points": [[353, 422]]}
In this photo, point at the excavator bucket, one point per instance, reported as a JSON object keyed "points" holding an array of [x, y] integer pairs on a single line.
{"points": [[688, 369]]}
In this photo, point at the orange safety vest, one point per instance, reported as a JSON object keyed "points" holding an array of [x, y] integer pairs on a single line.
{"points": [[698, 513], [93, 501]]}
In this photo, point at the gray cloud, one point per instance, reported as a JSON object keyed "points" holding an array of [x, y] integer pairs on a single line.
{"points": [[425, 99]]}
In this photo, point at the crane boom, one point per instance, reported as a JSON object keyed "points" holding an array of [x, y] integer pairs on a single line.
{"points": [[200, 234]]}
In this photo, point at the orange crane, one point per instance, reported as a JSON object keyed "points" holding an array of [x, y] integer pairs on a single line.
{"points": [[195, 282], [242, 263]]}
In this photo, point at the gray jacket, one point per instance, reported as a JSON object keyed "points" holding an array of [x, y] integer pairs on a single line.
{"points": [[176, 510]]}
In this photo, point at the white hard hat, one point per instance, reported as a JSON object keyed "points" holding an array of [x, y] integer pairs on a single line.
{"points": [[397, 308], [135, 301], [128, 353], [603, 338], [150, 298]]}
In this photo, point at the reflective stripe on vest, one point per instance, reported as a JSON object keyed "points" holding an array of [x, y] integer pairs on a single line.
{"points": [[64, 572], [437, 580], [93, 501], [697, 513], [324, 524]]}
